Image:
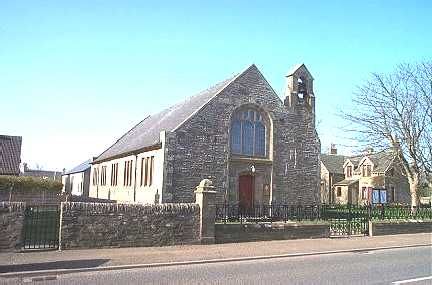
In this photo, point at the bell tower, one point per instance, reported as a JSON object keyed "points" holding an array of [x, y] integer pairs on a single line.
{"points": [[299, 89]]}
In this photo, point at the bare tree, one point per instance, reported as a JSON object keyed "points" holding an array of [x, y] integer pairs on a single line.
{"points": [[394, 112]]}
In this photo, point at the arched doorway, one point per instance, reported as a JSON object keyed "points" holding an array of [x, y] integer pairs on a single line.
{"points": [[246, 191]]}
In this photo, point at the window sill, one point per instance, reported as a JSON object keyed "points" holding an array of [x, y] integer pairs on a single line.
{"points": [[251, 159]]}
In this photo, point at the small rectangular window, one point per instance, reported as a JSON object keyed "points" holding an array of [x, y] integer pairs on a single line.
{"points": [[151, 170], [368, 170], [130, 173], [146, 171], [339, 191], [125, 174], [95, 176], [349, 171], [103, 176], [142, 169], [114, 174]]}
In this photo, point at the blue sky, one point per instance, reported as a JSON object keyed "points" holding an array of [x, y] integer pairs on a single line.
{"points": [[76, 75]]}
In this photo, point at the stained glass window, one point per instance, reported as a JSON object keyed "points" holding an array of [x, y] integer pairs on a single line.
{"points": [[259, 139], [247, 138], [248, 134]]}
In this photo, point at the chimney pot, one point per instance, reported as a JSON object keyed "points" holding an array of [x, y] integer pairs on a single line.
{"points": [[333, 149]]}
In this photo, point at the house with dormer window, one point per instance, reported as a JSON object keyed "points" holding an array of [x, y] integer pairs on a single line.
{"points": [[256, 147], [372, 178]]}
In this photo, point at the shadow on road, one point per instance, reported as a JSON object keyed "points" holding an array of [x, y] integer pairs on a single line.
{"points": [[67, 264]]}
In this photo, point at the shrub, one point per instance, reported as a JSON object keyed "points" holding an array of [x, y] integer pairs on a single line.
{"points": [[27, 183]]}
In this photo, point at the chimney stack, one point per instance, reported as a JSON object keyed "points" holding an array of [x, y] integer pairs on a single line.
{"points": [[333, 149]]}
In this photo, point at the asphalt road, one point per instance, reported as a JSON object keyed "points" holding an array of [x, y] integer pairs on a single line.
{"points": [[376, 267]]}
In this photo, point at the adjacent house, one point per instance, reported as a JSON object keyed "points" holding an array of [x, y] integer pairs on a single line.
{"points": [[332, 171], [372, 178], [39, 173], [257, 148], [77, 180], [10, 155]]}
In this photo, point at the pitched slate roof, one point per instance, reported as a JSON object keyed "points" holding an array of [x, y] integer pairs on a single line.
{"points": [[146, 133], [381, 160], [333, 163], [355, 160], [10, 154], [79, 168]]}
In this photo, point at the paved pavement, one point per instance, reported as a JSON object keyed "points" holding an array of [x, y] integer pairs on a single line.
{"points": [[373, 267], [99, 258]]}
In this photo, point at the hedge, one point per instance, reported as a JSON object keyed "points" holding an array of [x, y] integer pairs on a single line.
{"points": [[28, 183]]}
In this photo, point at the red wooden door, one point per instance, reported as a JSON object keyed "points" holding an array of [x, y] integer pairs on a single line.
{"points": [[246, 191]]}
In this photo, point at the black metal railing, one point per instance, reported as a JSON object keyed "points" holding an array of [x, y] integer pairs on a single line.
{"points": [[226, 213], [266, 213], [399, 212]]}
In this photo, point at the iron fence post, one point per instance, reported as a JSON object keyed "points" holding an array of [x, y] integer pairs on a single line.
{"points": [[349, 218]]}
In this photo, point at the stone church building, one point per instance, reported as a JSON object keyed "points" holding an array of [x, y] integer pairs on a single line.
{"points": [[256, 148]]}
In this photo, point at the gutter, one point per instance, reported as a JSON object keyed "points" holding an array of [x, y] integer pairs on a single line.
{"points": [[133, 152]]}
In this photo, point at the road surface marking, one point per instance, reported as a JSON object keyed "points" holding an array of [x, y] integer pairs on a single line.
{"points": [[412, 280]]}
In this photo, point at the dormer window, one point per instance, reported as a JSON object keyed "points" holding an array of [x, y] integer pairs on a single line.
{"points": [[349, 171], [367, 170]]}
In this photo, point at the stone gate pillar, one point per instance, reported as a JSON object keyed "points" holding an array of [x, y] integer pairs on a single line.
{"points": [[205, 197]]}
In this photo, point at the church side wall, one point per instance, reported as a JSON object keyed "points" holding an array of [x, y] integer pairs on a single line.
{"points": [[135, 192]]}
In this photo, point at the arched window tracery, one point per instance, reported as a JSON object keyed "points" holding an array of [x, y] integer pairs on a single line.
{"points": [[248, 133]]}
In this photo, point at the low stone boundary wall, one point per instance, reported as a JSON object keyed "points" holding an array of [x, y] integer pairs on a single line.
{"points": [[11, 225], [76, 198], [226, 233], [395, 228], [97, 225]]}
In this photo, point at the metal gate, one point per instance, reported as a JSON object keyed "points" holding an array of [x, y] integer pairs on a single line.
{"points": [[349, 227], [349, 221], [41, 227]]}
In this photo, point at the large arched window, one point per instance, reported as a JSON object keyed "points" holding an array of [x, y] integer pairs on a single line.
{"points": [[248, 133]]}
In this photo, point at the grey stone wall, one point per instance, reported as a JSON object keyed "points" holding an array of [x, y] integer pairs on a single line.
{"points": [[394, 228], [97, 225], [11, 225], [208, 131], [226, 233]]}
